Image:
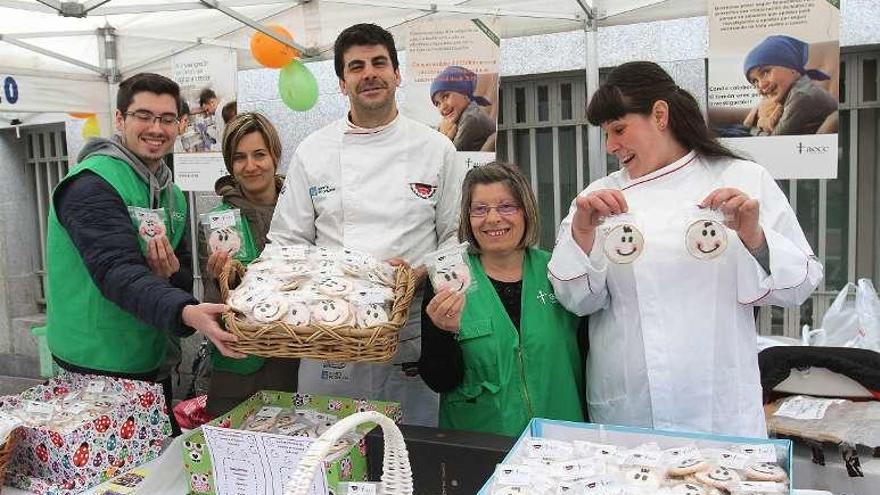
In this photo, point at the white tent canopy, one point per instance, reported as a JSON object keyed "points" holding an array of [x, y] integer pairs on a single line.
{"points": [[105, 39]]}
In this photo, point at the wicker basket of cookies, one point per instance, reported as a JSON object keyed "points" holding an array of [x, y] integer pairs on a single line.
{"points": [[319, 303]]}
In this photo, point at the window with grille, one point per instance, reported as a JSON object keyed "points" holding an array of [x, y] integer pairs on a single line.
{"points": [[47, 164]]}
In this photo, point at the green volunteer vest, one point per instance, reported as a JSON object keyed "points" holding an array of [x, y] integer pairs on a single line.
{"points": [[250, 364], [83, 327], [509, 376]]}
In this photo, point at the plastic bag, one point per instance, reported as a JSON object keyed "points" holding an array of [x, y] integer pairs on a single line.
{"points": [[224, 232], [150, 224], [849, 323], [448, 269]]}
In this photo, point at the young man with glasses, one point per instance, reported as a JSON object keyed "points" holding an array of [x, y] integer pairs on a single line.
{"points": [[111, 305], [379, 182]]}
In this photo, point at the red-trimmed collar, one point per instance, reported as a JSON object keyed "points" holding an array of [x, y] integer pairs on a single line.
{"points": [[663, 171], [352, 128]]}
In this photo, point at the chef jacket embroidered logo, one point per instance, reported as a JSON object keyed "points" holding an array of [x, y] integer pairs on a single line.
{"points": [[320, 191], [422, 190], [706, 239]]}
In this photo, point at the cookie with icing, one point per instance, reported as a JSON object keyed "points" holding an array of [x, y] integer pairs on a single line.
{"points": [[332, 312], [298, 314], [684, 467], [334, 287], [717, 476], [624, 244], [688, 489], [151, 226], [642, 476], [270, 309], [455, 278], [370, 315], [225, 240], [765, 471], [706, 239]]}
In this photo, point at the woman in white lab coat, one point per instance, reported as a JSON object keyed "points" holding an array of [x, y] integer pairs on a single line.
{"points": [[672, 329]]}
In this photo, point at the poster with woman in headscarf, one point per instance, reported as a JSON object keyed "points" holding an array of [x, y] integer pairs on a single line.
{"points": [[774, 82], [452, 83]]}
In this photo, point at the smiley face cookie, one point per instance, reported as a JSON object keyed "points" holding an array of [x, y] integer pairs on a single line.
{"points": [[334, 286], [225, 240], [455, 278], [688, 489], [684, 467], [765, 471], [624, 244], [270, 309], [642, 476], [370, 315], [243, 300], [706, 239], [298, 314], [717, 476], [331, 312], [151, 226]]}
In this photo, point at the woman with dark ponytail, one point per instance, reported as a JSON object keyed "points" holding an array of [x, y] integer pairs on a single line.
{"points": [[695, 236]]}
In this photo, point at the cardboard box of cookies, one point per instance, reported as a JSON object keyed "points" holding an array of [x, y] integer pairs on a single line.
{"points": [[254, 447], [553, 457]]}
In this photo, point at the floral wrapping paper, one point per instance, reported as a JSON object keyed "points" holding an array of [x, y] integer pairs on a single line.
{"points": [[47, 462]]}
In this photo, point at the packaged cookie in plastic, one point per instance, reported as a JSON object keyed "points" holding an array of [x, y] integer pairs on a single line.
{"points": [[225, 232], [622, 240], [706, 234], [371, 307], [150, 224], [448, 268]]}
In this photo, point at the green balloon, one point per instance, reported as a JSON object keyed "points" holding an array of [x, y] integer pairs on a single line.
{"points": [[297, 86]]}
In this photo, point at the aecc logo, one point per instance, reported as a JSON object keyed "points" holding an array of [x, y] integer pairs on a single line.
{"points": [[10, 90]]}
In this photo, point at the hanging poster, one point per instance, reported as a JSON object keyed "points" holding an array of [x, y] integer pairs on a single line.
{"points": [[452, 83], [774, 73], [207, 79]]}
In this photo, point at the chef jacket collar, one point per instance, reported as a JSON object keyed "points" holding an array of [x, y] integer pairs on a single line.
{"points": [[352, 128], [673, 167]]}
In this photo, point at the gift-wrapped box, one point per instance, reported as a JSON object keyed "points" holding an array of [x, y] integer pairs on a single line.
{"points": [[347, 465], [90, 447]]}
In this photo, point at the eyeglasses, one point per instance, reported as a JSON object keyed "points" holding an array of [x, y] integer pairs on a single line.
{"points": [[145, 117], [503, 209]]}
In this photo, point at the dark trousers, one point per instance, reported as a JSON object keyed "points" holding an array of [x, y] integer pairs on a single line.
{"points": [[144, 377]]}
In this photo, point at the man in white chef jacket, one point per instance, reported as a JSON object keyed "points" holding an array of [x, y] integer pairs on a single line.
{"points": [[382, 183]]}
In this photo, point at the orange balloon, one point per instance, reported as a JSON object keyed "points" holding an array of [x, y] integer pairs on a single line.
{"points": [[81, 115], [271, 53]]}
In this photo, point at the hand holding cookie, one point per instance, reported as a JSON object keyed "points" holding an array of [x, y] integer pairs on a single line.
{"points": [[741, 214], [445, 310], [591, 209], [161, 258]]}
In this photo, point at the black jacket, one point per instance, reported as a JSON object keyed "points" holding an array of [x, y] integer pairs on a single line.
{"points": [[97, 220]]}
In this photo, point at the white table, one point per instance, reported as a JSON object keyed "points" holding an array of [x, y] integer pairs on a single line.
{"points": [[166, 476]]}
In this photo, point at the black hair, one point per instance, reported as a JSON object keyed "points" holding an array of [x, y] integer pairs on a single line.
{"points": [[149, 82], [362, 34], [206, 95], [634, 87], [229, 111]]}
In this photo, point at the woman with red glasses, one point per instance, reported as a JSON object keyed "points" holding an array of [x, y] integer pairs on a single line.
{"points": [[494, 352]]}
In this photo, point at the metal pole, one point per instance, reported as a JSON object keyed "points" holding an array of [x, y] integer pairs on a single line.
{"points": [[214, 4], [594, 137]]}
